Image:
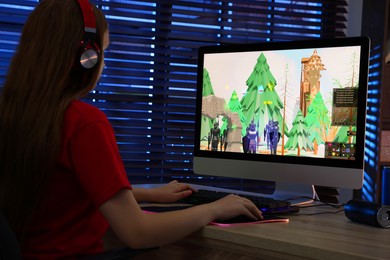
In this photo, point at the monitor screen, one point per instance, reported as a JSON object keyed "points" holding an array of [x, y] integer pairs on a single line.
{"points": [[290, 112]]}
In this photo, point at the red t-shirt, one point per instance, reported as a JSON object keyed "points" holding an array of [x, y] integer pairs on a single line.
{"points": [[89, 172]]}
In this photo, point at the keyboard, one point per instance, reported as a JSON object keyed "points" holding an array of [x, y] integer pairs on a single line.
{"points": [[265, 204]]}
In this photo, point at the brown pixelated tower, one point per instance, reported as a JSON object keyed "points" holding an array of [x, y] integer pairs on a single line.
{"points": [[310, 80]]}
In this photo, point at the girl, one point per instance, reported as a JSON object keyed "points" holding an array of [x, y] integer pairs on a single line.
{"points": [[62, 181]]}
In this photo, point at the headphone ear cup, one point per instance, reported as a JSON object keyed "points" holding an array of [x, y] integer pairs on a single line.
{"points": [[89, 55]]}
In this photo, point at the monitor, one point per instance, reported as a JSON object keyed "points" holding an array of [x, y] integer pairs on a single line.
{"points": [[291, 112]]}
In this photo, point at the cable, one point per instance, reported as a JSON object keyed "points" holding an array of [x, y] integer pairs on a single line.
{"points": [[319, 204]]}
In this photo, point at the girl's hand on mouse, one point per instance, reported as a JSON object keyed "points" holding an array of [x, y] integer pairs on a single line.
{"points": [[232, 206]]}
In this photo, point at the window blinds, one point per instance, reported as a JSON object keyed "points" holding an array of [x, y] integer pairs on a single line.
{"points": [[148, 87]]}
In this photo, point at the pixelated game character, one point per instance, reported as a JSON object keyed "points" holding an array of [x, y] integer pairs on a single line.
{"points": [[215, 136], [252, 138], [272, 135]]}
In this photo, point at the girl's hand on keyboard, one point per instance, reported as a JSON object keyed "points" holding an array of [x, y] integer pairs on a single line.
{"points": [[171, 192], [232, 206]]}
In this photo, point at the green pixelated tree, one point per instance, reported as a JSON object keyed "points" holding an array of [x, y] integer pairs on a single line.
{"points": [[207, 123], [299, 136], [234, 105], [318, 121], [342, 135], [261, 102]]}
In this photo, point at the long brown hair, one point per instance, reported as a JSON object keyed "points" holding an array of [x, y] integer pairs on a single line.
{"points": [[43, 78]]}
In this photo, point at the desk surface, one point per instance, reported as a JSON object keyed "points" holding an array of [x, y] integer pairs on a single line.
{"points": [[322, 236], [314, 233]]}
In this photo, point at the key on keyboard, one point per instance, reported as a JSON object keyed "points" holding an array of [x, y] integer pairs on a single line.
{"points": [[265, 204]]}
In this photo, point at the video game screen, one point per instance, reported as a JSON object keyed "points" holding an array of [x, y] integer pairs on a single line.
{"points": [[293, 102]]}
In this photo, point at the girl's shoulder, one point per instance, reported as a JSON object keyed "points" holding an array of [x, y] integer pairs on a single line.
{"points": [[80, 114], [85, 111]]}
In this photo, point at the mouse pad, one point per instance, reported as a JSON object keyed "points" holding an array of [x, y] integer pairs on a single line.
{"points": [[240, 220]]}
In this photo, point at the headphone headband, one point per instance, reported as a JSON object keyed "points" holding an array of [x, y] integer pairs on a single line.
{"points": [[88, 15], [89, 51]]}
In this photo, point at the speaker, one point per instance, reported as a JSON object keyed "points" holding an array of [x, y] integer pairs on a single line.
{"points": [[89, 51], [386, 185], [369, 213]]}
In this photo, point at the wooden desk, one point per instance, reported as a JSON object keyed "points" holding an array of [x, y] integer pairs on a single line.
{"points": [[324, 236]]}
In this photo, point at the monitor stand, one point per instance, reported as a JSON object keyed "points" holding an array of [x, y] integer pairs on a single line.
{"points": [[304, 193], [296, 193]]}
